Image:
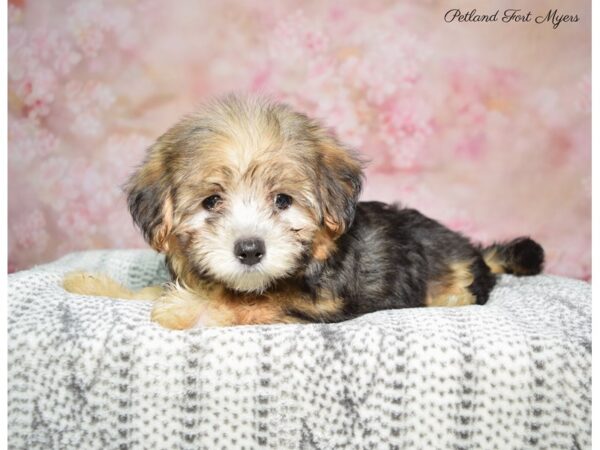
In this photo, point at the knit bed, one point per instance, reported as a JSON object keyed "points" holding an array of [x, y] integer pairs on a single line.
{"points": [[95, 373]]}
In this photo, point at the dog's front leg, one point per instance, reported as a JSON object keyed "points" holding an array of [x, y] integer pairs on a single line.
{"points": [[84, 283], [209, 306], [179, 308]]}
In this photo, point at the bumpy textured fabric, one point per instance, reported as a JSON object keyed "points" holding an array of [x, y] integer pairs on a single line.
{"points": [[95, 373]]}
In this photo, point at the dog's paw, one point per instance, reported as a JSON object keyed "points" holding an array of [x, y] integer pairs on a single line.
{"points": [[94, 284], [174, 315], [178, 309]]}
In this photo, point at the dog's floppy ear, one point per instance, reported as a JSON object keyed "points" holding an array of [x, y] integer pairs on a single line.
{"points": [[149, 198], [340, 183]]}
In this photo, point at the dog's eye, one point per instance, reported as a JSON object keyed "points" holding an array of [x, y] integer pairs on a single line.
{"points": [[283, 201], [211, 202]]}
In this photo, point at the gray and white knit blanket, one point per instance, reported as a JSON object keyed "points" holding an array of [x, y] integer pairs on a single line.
{"points": [[95, 373]]}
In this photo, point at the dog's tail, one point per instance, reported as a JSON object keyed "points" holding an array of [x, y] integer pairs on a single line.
{"points": [[521, 256]]}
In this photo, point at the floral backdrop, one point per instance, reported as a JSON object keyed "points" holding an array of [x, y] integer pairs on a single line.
{"points": [[484, 126]]}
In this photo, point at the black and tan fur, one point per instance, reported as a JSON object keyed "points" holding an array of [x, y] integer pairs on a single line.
{"points": [[339, 258]]}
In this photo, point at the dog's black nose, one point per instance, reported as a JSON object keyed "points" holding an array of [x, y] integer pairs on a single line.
{"points": [[249, 251]]}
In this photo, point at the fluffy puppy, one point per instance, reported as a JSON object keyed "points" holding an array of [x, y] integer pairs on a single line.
{"points": [[256, 208]]}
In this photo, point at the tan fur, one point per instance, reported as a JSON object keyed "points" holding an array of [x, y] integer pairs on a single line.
{"points": [[180, 309], [229, 308], [104, 286], [338, 161], [152, 173], [324, 306], [453, 288], [179, 265], [499, 264], [493, 261], [149, 293], [323, 244], [161, 240], [249, 309]]}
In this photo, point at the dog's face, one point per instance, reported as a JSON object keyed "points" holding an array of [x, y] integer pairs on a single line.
{"points": [[245, 192]]}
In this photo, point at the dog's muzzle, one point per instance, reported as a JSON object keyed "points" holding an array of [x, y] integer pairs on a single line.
{"points": [[249, 251]]}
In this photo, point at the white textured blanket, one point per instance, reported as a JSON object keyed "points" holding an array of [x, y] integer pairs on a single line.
{"points": [[95, 373]]}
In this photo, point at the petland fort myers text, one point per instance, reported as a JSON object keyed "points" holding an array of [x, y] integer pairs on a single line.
{"points": [[553, 17]]}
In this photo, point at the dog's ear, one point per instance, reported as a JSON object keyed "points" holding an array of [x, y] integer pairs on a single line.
{"points": [[340, 183], [149, 198]]}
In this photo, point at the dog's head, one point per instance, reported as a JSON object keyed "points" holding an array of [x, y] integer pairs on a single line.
{"points": [[245, 192]]}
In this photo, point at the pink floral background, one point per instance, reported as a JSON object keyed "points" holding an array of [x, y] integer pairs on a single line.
{"points": [[485, 127]]}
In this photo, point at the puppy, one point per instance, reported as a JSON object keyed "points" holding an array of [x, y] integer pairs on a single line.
{"points": [[256, 208]]}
